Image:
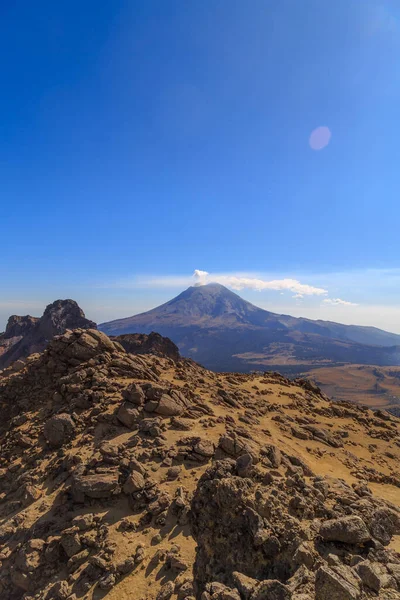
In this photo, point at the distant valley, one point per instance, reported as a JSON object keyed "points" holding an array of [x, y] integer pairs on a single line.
{"points": [[375, 387]]}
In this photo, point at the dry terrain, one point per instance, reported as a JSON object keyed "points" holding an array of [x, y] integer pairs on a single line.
{"points": [[376, 387], [140, 477]]}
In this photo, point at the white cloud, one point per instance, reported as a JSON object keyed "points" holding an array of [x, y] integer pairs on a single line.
{"points": [[235, 282], [339, 301]]}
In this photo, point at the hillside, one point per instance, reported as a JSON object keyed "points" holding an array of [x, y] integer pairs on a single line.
{"points": [[376, 387], [223, 332], [141, 477]]}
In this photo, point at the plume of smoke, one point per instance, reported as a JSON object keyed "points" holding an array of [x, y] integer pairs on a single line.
{"points": [[252, 283], [200, 277]]}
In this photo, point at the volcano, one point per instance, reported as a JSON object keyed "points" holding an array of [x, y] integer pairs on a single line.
{"points": [[222, 331]]}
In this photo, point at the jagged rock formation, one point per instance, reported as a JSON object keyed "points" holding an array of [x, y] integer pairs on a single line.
{"points": [[141, 477], [154, 343], [26, 335], [17, 327]]}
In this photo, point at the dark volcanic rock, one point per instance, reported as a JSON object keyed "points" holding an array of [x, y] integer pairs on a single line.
{"points": [[33, 334], [19, 326], [264, 539], [62, 315], [154, 343], [58, 429], [349, 530]]}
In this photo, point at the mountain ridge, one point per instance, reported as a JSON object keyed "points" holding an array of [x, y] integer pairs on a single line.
{"points": [[285, 319], [218, 328]]}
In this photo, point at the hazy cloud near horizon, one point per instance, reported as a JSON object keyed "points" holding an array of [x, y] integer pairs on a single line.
{"points": [[363, 297]]}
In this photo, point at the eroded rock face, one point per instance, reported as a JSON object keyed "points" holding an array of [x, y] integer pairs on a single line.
{"points": [[19, 326], [166, 402], [33, 334], [231, 534], [153, 343], [278, 537]]}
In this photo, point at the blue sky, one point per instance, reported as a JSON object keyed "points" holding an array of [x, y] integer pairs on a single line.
{"points": [[143, 140]]}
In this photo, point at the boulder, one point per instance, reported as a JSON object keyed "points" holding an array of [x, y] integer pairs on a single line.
{"points": [[331, 586], [383, 524], [394, 570], [273, 454], [58, 430], [153, 343], [271, 590], [151, 426], [348, 530], [173, 472], [166, 591], [244, 584], [204, 448], [374, 575], [71, 544], [127, 415], [244, 465], [134, 483], [30, 555], [83, 522], [169, 404], [235, 446], [134, 394], [98, 485]]}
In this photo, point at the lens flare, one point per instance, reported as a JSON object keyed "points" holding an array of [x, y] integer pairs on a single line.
{"points": [[320, 138]]}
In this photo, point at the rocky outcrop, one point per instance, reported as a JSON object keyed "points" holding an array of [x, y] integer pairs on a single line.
{"points": [[153, 343], [264, 534], [17, 327], [30, 334]]}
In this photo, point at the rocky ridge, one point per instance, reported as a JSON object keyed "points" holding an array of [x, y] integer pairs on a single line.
{"points": [[27, 335], [17, 327], [153, 343], [142, 477]]}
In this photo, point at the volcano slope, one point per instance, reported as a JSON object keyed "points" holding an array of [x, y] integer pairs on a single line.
{"points": [[141, 477]]}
